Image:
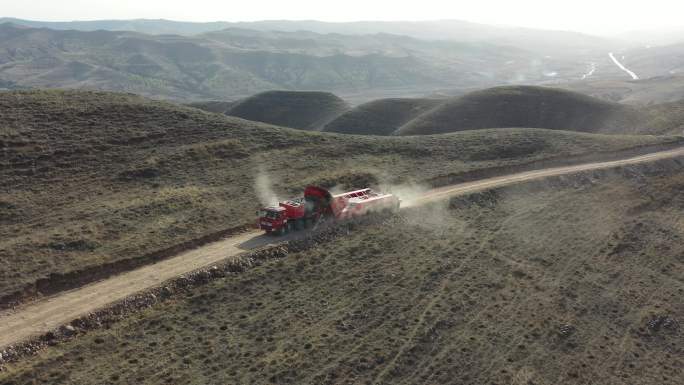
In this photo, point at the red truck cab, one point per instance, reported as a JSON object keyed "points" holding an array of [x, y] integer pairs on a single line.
{"points": [[272, 218], [287, 216]]}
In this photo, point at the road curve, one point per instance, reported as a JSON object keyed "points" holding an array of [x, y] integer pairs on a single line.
{"points": [[42, 316], [484, 184], [622, 67], [592, 69]]}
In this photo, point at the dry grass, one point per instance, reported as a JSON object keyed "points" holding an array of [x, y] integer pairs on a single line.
{"points": [[544, 283], [90, 178]]}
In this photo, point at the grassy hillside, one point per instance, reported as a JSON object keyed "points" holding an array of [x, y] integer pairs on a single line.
{"points": [[509, 106], [522, 106], [574, 280], [215, 106], [666, 118], [235, 63], [303, 110], [657, 90], [90, 178], [648, 62], [380, 117]]}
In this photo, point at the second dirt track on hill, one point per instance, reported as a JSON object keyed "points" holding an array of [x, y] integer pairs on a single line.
{"points": [[43, 316]]}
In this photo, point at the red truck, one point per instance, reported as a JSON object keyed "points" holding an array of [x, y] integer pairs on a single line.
{"points": [[318, 203]]}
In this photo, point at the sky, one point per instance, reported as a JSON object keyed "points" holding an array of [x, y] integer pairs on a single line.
{"points": [[605, 17]]}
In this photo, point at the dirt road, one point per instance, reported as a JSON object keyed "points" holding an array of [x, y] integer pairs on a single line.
{"points": [[42, 316], [622, 66], [483, 184]]}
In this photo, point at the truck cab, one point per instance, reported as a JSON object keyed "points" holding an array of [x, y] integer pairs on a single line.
{"points": [[272, 218]]}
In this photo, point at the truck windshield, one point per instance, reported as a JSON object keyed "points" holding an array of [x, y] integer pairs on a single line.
{"points": [[268, 214]]}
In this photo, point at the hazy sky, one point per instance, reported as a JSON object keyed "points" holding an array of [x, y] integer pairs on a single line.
{"points": [[592, 16]]}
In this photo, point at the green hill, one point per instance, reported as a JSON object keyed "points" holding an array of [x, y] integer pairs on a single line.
{"points": [[380, 117], [303, 110], [506, 107], [522, 106]]}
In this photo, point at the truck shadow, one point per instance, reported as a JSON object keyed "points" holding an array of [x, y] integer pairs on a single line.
{"points": [[270, 240]]}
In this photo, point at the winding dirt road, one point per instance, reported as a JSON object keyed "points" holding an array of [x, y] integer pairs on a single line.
{"points": [[50, 313], [622, 66]]}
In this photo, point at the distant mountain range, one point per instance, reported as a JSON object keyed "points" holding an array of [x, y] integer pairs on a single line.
{"points": [[359, 61], [235, 62], [428, 30], [154, 27]]}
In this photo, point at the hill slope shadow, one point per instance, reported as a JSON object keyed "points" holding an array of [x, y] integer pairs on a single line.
{"points": [[305, 110]]}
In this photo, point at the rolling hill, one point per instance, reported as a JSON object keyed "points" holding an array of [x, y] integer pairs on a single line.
{"points": [[653, 61], [512, 106], [294, 109], [93, 179], [509, 106], [522, 106], [642, 92], [380, 117], [499, 107]]}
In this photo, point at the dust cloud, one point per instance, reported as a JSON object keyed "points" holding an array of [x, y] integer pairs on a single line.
{"points": [[263, 186], [408, 193], [434, 216]]}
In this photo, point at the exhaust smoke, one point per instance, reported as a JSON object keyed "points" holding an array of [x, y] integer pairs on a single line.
{"points": [[263, 186]]}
